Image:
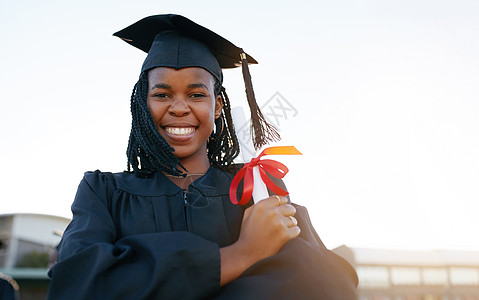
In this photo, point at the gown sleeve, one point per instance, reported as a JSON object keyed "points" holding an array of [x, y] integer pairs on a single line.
{"points": [[303, 269], [94, 264]]}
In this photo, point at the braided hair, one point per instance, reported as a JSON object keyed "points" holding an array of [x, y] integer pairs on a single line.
{"points": [[149, 152]]}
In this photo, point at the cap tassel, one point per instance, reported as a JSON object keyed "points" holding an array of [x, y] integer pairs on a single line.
{"points": [[262, 132]]}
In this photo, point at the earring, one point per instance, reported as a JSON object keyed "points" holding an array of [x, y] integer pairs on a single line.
{"points": [[215, 134], [222, 126]]}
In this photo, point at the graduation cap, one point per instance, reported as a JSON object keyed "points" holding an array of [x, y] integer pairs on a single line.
{"points": [[177, 42]]}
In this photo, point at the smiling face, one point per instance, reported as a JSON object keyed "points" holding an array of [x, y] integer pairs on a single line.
{"points": [[183, 105]]}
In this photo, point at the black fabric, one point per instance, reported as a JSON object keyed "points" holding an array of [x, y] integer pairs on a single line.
{"points": [[303, 269], [7, 292], [177, 42], [137, 238]]}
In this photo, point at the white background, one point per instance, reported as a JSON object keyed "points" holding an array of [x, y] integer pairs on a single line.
{"points": [[386, 93]]}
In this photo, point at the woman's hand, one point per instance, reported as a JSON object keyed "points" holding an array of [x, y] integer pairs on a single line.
{"points": [[266, 227]]}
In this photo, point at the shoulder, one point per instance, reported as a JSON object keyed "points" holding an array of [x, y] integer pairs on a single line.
{"points": [[225, 174], [99, 177], [114, 181], [233, 168]]}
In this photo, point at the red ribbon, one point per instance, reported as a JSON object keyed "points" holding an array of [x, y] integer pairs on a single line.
{"points": [[275, 168]]}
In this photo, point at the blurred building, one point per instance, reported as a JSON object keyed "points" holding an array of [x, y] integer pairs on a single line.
{"points": [[26, 242], [383, 274], [414, 275]]}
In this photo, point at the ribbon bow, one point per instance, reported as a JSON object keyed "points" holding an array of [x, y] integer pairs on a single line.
{"points": [[275, 168]]}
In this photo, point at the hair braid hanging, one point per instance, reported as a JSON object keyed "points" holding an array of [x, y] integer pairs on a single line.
{"points": [[147, 150], [223, 148]]}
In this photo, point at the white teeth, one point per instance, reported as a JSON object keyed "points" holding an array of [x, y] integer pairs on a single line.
{"points": [[180, 131]]}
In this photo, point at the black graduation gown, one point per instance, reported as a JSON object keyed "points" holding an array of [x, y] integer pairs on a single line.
{"points": [[137, 238], [7, 291]]}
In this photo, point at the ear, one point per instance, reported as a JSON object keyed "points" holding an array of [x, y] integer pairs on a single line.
{"points": [[218, 106]]}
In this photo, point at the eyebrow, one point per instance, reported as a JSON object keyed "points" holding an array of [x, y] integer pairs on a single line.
{"points": [[198, 85], [161, 86], [168, 87]]}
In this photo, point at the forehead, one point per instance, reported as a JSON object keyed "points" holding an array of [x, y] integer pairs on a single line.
{"points": [[190, 74]]}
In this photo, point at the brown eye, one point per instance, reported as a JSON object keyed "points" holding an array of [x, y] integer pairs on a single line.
{"points": [[197, 95], [160, 96]]}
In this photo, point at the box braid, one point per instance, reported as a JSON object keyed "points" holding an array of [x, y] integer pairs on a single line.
{"points": [[223, 146], [149, 152]]}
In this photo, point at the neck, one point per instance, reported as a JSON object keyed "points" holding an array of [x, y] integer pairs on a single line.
{"points": [[196, 165]]}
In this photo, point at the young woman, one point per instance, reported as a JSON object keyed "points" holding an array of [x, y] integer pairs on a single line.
{"points": [[166, 228]]}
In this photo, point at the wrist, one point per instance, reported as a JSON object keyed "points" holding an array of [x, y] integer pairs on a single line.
{"points": [[234, 261]]}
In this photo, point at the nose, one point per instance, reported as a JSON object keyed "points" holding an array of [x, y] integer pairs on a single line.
{"points": [[179, 108]]}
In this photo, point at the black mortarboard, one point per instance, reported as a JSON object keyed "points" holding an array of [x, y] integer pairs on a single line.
{"points": [[177, 42]]}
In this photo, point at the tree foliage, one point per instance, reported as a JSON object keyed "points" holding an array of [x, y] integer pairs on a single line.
{"points": [[34, 259]]}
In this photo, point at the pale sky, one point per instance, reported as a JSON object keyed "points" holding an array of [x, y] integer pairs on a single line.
{"points": [[386, 96]]}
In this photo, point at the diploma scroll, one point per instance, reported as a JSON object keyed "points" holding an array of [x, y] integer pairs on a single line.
{"points": [[260, 191]]}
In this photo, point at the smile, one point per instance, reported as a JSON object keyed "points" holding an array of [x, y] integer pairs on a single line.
{"points": [[180, 131]]}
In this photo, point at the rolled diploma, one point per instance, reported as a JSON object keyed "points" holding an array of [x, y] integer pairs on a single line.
{"points": [[260, 191]]}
